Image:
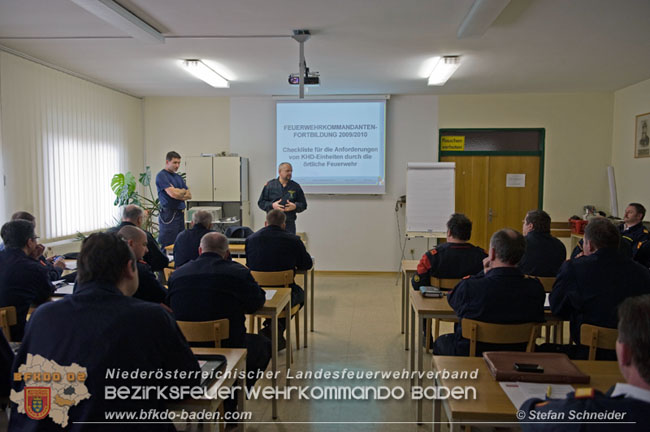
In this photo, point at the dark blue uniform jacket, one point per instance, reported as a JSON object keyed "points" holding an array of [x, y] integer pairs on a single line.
{"points": [[274, 249], [149, 289], [589, 289], [98, 328], [186, 246], [273, 191], [636, 236], [544, 255], [23, 282], [448, 260], [634, 411], [210, 288], [502, 296]]}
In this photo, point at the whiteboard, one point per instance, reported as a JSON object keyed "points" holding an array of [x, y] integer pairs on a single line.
{"points": [[430, 196]]}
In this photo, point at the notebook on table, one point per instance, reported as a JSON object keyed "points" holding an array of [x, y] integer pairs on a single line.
{"points": [[557, 367], [210, 364]]}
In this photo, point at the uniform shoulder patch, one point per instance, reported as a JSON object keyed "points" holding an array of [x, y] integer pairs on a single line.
{"points": [[585, 393], [541, 404], [416, 278], [433, 251], [467, 277]]}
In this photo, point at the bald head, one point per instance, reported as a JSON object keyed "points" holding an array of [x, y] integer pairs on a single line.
{"points": [[215, 243], [276, 218], [136, 239], [508, 245], [133, 213]]}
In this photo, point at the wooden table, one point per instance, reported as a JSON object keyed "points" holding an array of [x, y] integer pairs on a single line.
{"points": [[308, 283], [424, 308], [236, 360], [409, 268], [279, 304], [492, 405]]}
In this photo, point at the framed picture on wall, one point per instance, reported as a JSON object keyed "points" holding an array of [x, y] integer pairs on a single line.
{"points": [[641, 139]]}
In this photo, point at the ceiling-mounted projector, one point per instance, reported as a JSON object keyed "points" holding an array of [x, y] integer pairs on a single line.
{"points": [[311, 79]]}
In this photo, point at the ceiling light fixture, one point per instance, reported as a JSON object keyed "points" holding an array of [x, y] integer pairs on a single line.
{"points": [[480, 17], [205, 73], [122, 18], [443, 70]]}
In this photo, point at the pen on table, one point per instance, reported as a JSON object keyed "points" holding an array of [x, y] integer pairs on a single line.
{"points": [[548, 392]]}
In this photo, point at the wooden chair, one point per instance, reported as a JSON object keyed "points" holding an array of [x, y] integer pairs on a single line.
{"points": [[597, 337], [557, 326], [278, 279], [8, 319], [205, 331], [445, 285], [478, 331], [167, 271]]}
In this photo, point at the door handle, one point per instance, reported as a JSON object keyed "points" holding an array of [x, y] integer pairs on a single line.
{"points": [[489, 215]]}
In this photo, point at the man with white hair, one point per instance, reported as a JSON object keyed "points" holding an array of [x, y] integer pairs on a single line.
{"points": [[133, 215], [186, 246]]}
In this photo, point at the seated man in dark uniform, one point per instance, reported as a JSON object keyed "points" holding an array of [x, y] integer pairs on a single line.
{"points": [[54, 265], [186, 246], [633, 230], [588, 290], [213, 287], [149, 289], [631, 400], [544, 253], [274, 249], [23, 280], [133, 215], [502, 295], [98, 330], [454, 259]]}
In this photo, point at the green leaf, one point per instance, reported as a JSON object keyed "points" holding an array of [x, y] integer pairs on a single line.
{"points": [[145, 177], [117, 182]]}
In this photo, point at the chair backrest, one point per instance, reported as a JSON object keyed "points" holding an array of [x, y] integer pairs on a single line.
{"points": [[547, 282], [205, 331], [273, 279], [7, 319], [238, 232], [597, 337], [444, 283], [167, 271], [479, 331]]}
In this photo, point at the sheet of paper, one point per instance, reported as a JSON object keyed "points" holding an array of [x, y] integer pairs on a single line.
{"points": [[520, 392], [71, 264], [547, 303], [270, 293], [64, 289]]}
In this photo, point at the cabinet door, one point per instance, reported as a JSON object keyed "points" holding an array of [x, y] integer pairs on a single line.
{"points": [[227, 186], [199, 177]]}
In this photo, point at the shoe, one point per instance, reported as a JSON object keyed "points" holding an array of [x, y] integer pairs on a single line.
{"points": [[282, 342]]}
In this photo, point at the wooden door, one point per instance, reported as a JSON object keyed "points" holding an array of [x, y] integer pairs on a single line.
{"points": [[483, 195]]}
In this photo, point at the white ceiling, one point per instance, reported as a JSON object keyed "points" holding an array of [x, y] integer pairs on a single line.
{"points": [[358, 46]]}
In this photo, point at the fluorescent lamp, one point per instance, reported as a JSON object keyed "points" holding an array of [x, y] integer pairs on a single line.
{"points": [[480, 17], [123, 19], [205, 73], [444, 68]]}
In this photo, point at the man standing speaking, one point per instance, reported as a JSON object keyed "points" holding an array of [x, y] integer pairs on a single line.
{"points": [[172, 193], [284, 194]]}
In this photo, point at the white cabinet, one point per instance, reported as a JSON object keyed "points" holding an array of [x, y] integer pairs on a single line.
{"points": [[219, 181]]}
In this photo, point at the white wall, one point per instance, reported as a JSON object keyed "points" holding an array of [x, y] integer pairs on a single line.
{"points": [[188, 125], [345, 233], [632, 175], [578, 139]]}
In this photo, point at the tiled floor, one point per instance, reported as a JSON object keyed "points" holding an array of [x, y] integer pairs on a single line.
{"points": [[357, 326]]}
